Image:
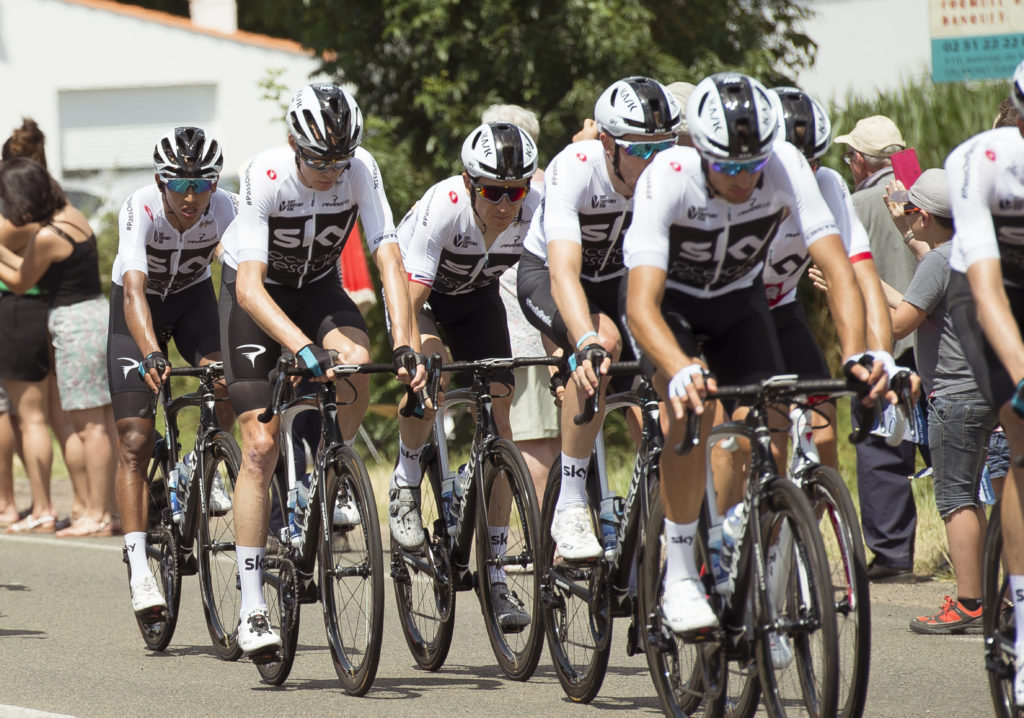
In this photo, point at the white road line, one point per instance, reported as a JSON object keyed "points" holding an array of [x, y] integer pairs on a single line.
{"points": [[19, 712], [95, 545]]}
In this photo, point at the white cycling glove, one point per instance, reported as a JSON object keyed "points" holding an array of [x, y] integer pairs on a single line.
{"points": [[683, 378]]}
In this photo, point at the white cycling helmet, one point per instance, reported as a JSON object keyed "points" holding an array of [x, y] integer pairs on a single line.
{"points": [[637, 106], [500, 151], [1018, 88], [732, 117], [804, 122], [187, 152], [326, 120]]}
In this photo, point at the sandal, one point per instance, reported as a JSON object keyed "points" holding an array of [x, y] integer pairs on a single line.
{"points": [[32, 525], [81, 527]]}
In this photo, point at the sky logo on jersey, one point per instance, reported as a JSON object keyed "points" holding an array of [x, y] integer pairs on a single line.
{"points": [[272, 174], [128, 366], [453, 197], [256, 351]]}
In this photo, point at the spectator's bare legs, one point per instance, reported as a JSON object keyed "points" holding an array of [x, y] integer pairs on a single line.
{"points": [[29, 400], [71, 447], [95, 430], [8, 509], [965, 532]]}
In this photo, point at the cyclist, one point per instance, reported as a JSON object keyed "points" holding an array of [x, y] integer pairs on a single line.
{"points": [[571, 270], [986, 300], [161, 287], [703, 220], [281, 288], [456, 243], [804, 123]]}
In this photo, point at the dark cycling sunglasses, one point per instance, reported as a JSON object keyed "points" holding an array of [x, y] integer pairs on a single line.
{"points": [[182, 186], [323, 164], [494, 194], [734, 168]]}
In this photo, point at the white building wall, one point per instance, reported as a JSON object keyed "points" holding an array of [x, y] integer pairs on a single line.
{"points": [[84, 70]]}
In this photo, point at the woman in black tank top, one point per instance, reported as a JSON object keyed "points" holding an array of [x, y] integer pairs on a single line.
{"points": [[62, 259]]}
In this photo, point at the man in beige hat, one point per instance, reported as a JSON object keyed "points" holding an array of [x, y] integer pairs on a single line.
{"points": [[888, 512]]}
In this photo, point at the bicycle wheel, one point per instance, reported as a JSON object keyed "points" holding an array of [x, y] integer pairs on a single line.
{"points": [[795, 641], [280, 591], [507, 570], [578, 628], [218, 569], [162, 558], [424, 593], [352, 575], [676, 666], [844, 549], [998, 621]]}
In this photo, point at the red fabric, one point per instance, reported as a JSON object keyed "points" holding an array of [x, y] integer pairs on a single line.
{"points": [[355, 273], [860, 257]]}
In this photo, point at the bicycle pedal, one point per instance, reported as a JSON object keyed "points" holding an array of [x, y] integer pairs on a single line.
{"points": [[261, 658], [189, 566], [308, 592], [152, 616], [464, 580]]}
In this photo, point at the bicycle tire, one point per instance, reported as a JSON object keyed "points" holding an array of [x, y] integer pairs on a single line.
{"points": [[578, 632], [998, 621], [280, 591], [218, 567], [808, 684], [840, 531], [675, 665], [162, 557], [503, 470], [352, 575], [426, 603]]}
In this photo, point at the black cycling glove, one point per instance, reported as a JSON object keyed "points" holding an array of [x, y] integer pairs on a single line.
{"points": [[155, 360], [594, 352], [316, 359], [405, 358]]}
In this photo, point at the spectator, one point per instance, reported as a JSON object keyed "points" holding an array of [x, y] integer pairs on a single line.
{"points": [[888, 513], [62, 258], [959, 419], [533, 416], [682, 91]]}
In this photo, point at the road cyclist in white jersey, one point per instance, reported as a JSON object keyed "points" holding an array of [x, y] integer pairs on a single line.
{"points": [[703, 221], [571, 271], [986, 288], [804, 123], [281, 288], [456, 243], [161, 288]]}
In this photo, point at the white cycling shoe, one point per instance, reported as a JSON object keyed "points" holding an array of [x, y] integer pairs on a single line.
{"points": [[574, 535], [685, 608], [346, 513], [255, 634], [781, 650], [147, 601], [220, 502]]}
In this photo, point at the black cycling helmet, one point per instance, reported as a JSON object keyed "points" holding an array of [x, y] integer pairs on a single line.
{"points": [[187, 152], [804, 122], [637, 105], [500, 151], [732, 118], [325, 120]]}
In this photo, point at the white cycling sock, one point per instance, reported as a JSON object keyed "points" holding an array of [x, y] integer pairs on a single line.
{"points": [[499, 541], [407, 473], [680, 561], [250, 571], [574, 483], [135, 543]]}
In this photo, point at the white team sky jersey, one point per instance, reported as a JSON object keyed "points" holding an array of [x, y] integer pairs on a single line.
{"points": [[986, 187], [299, 232], [580, 205], [707, 246], [171, 260], [443, 248], [787, 256]]}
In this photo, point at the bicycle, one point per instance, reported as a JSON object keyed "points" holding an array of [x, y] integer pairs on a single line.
{"points": [[500, 488], [581, 599], [170, 545], [778, 590], [346, 555], [998, 620]]}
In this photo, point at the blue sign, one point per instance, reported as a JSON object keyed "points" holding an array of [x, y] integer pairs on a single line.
{"points": [[958, 59]]}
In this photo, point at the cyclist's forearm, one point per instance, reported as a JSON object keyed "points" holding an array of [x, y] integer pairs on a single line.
{"points": [[879, 322], [396, 295]]}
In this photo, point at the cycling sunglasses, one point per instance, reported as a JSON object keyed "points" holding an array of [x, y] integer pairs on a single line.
{"points": [[644, 150], [323, 164], [494, 194], [734, 168], [910, 208], [182, 186]]}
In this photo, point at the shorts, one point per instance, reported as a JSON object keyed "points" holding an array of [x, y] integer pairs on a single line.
{"points": [[734, 333], [79, 333], [24, 340], [189, 317], [801, 354], [997, 456], [249, 353], [990, 374], [533, 414], [5, 401], [958, 430], [472, 325]]}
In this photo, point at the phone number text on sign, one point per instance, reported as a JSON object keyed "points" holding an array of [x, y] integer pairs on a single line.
{"points": [[976, 58]]}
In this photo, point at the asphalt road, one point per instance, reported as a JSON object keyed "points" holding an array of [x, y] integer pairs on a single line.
{"points": [[69, 645]]}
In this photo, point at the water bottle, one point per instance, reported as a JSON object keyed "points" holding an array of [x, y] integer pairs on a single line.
{"points": [[732, 526], [298, 498], [172, 490], [447, 487], [611, 511], [459, 486], [986, 494], [720, 574], [186, 467]]}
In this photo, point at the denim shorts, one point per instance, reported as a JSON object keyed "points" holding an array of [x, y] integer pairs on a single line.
{"points": [[998, 456], [958, 429]]}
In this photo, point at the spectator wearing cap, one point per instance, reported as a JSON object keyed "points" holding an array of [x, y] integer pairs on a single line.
{"points": [[959, 419], [888, 513]]}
